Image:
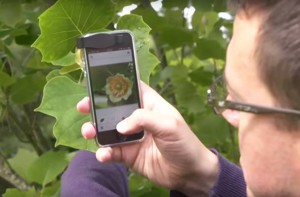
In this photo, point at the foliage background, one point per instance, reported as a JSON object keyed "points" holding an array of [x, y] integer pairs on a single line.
{"points": [[181, 48]]}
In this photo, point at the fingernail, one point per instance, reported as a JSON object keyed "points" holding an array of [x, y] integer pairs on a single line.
{"points": [[122, 126], [87, 130]]}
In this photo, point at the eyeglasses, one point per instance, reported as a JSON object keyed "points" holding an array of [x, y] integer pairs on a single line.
{"points": [[216, 97]]}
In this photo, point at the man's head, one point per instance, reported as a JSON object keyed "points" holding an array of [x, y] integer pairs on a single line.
{"points": [[277, 51], [263, 68]]}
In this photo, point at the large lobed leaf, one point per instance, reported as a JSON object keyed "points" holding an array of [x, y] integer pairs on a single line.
{"points": [[66, 20], [22, 161], [41, 170], [10, 12], [47, 167], [60, 98], [25, 89], [12, 192], [146, 60], [61, 94]]}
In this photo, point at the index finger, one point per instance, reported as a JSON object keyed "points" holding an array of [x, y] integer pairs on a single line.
{"points": [[83, 106]]}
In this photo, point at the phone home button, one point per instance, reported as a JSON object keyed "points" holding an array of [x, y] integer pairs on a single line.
{"points": [[121, 138]]}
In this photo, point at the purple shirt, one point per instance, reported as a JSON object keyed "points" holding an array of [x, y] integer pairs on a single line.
{"points": [[85, 176]]}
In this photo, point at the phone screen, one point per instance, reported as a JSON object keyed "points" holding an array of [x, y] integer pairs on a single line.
{"points": [[113, 85]]}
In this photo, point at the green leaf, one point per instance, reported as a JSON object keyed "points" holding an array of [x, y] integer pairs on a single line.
{"points": [[35, 62], [47, 167], [18, 193], [174, 17], [51, 191], [68, 69], [185, 92], [26, 89], [175, 72], [71, 155], [7, 52], [67, 20], [220, 5], [150, 17], [175, 3], [138, 185], [203, 5], [5, 31], [60, 98], [21, 162], [6, 80], [141, 187], [10, 12], [176, 36], [209, 49], [171, 18], [202, 76], [29, 36], [146, 60], [67, 60], [211, 129], [188, 97], [53, 74], [205, 22]]}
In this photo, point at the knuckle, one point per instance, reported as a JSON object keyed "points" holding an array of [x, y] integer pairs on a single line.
{"points": [[172, 122]]}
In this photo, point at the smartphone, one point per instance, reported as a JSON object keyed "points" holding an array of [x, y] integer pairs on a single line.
{"points": [[113, 83]]}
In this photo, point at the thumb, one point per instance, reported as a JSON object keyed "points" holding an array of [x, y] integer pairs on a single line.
{"points": [[152, 122]]}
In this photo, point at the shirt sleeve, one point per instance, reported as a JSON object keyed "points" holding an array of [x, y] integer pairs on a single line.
{"points": [[85, 176], [230, 181]]}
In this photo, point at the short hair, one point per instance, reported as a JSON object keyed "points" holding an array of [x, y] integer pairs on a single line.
{"points": [[278, 51]]}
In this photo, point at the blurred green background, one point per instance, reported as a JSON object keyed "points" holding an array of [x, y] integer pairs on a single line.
{"points": [[181, 48]]}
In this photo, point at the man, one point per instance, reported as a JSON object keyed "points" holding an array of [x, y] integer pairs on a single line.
{"points": [[262, 76]]}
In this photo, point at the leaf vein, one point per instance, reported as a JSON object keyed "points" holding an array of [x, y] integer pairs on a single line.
{"points": [[87, 18], [91, 26], [69, 17], [80, 13], [58, 43], [60, 32]]}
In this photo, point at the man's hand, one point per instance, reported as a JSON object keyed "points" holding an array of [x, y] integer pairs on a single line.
{"points": [[170, 155]]}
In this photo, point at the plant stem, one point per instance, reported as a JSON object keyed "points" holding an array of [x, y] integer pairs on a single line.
{"points": [[23, 128], [34, 130], [10, 176]]}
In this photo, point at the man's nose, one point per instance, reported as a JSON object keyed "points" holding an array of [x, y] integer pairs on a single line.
{"points": [[232, 116]]}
